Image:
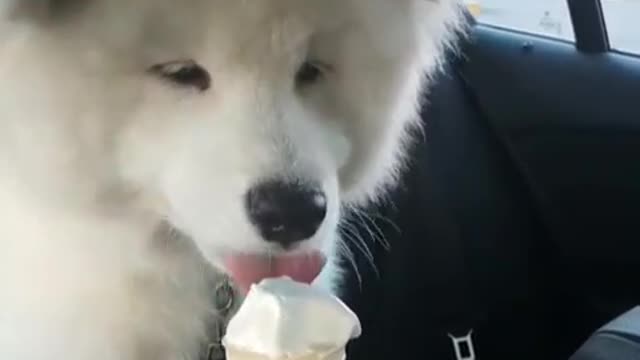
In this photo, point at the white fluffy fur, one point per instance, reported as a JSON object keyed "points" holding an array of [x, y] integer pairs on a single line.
{"points": [[96, 153]]}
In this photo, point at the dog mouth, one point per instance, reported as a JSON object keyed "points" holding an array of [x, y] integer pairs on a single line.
{"points": [[249, 269]]}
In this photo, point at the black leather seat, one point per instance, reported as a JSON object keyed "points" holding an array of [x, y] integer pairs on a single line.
{"points": [[467, 249], [470, 257], [473, 264]]}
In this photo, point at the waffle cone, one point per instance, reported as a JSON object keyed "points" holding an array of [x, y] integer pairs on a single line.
{"points": [[335, 354]]}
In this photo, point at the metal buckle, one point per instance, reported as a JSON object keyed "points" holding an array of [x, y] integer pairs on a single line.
{"points": [[223, 301], [224, 297]]}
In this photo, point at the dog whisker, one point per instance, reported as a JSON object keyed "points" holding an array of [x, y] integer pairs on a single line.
{"points": [[344, 250], [351, 234], [371, 226]]}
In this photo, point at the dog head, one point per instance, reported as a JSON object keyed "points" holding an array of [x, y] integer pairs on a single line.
{"points": [[246, 125]]}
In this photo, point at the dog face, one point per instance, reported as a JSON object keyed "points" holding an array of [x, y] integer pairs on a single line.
{"points": [[245, 125]]}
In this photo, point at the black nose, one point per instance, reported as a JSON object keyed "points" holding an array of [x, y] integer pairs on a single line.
{"points": [[286, 213]]}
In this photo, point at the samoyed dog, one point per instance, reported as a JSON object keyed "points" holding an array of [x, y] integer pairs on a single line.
{"points": [[151, 149]]}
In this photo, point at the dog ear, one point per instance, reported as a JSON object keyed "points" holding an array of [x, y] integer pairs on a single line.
{"points": [[40, 10]]}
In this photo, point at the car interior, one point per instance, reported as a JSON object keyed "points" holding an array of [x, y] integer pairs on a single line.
{"points": [[515, 231]]}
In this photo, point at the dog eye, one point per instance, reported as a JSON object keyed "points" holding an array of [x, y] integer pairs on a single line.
{"points": [[309, 73], [184, 73]]}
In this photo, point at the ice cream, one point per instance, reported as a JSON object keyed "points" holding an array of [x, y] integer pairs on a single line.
{"points": [[282, 319]]}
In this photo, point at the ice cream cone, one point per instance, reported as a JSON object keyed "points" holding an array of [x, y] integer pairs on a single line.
{"points": [[284, 320]]}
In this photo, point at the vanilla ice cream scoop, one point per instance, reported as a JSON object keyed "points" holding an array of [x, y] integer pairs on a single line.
{"points": [[282, 319]]}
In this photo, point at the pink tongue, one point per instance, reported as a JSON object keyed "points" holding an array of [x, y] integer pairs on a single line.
{"points": [[251, 269]]}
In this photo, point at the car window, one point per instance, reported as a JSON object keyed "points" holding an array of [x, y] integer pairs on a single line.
{"points": [[623, 24], [544, 17]]}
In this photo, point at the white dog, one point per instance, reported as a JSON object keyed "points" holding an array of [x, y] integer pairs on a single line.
{"points": [[149, 146]]}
